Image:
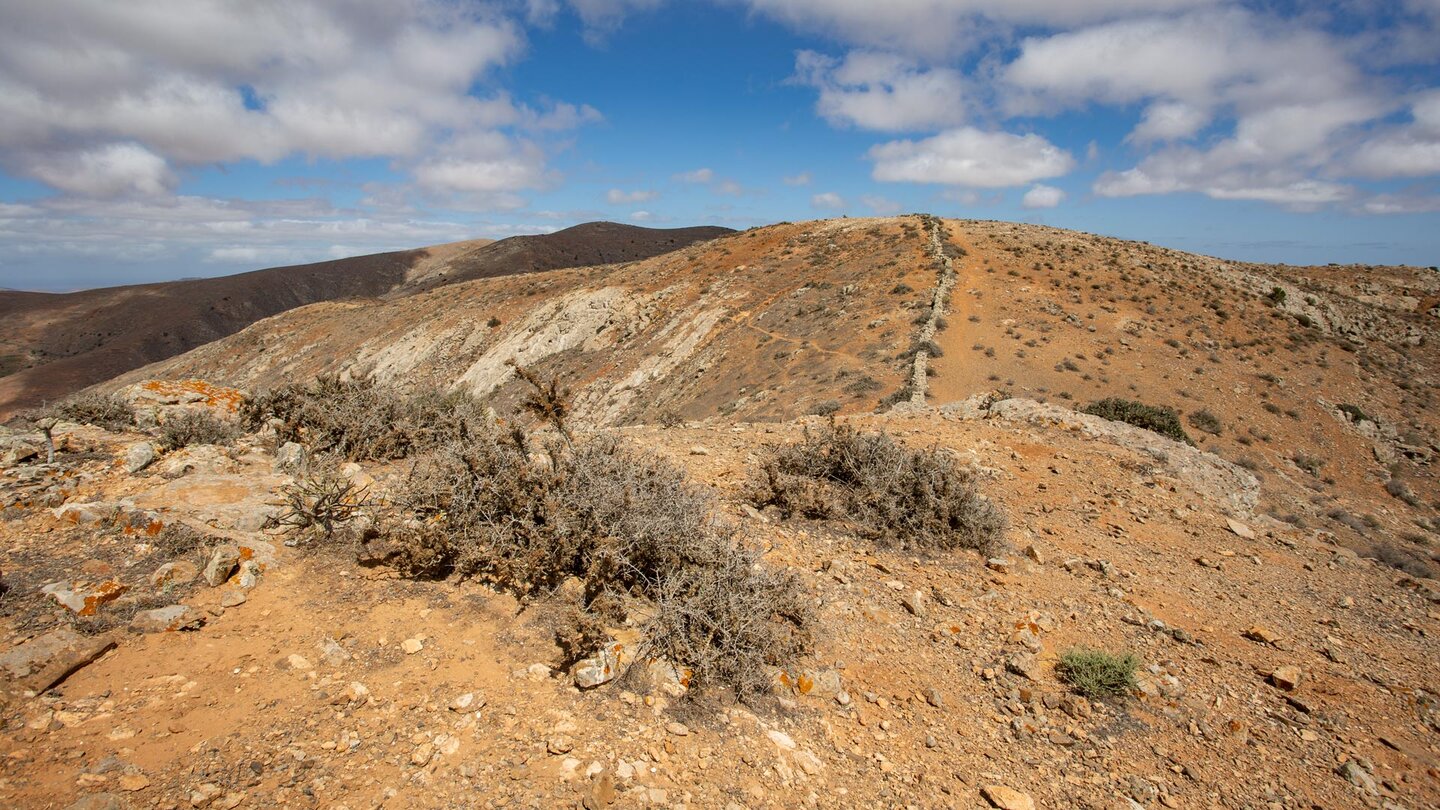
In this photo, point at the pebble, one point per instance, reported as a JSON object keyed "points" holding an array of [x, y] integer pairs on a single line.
{"points": [[678, 729], [412, 646]]}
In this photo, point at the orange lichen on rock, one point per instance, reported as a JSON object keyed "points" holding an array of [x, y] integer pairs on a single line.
{"points": [[215, 396], [107, 592]]}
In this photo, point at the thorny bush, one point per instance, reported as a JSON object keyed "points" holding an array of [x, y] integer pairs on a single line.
{"points": [[917, 499]]}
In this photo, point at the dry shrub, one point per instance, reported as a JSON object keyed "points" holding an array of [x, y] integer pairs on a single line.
{"points": [[917, 499], [1401, 559], [319, 502], [627, 524], [361, 419], [191, 427], [106, 411]]}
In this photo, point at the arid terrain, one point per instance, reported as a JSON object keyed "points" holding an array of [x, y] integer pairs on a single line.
{"points": [[52, 345], [165, 644]]}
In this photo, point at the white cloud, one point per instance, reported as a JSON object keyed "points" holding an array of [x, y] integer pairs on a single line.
{"points": [[1407, 151], [1042, 196], [827, 201], [617, 196], [729, 188], [882, 91], [642, 216], [104, 171], [1183, 170], [483, 163], [1168, 121], [85, 86], [698, 176], [801, 179], [937, 28], [971, 157]]}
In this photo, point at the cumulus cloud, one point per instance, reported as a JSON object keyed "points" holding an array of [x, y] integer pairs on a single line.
{"points": [[882, 91], [827, 201], [104, 171], [1407, 151], [1168, 121], [482, 169], [801, 179], [602, 17], [1042, 196], [1292, 97], [103, 98], [971, 157], [617, 196]]}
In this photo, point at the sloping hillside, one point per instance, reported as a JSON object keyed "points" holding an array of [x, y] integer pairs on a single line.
{"points": [[52, 345], [1273, 584], [769, 323]]}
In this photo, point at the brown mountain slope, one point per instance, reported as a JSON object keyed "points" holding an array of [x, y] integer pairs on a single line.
{"points": [[51, 345], [579, 246], [1327, 392]]}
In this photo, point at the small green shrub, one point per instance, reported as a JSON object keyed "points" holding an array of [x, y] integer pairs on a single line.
{"points": [[920, 499], [1206, 421], [186, 428], [1096, 673], [1276, 296], [1154, 418]]}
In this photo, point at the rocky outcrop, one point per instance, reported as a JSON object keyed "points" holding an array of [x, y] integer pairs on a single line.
{"points": [[1211, 477]]}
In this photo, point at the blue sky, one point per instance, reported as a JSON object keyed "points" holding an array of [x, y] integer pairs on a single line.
{"points": [[160, 139]]}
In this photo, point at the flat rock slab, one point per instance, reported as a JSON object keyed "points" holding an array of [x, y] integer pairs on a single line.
{"points": [[236, 502], [45, 661]]}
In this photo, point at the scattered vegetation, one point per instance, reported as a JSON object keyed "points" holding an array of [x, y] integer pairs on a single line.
{"points": [[1096, 673], [360, 419], [1206, 421], [1155, 418], [106, 411], [919, 499], [826, 408], [1308, 463], [191, 427], [643, 542]]}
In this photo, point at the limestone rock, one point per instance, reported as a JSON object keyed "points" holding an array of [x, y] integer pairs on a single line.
{"points": [[223, 562], [167, 619], [179, 572], [138, 456], [1286, 677], [1007, 798]]}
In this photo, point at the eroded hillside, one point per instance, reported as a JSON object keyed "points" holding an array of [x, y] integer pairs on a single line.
{"points": [[52, 345], [769, 324], [168, 643]]}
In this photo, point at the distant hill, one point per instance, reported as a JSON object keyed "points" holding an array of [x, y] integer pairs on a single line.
{"points": [[54, 344]]}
